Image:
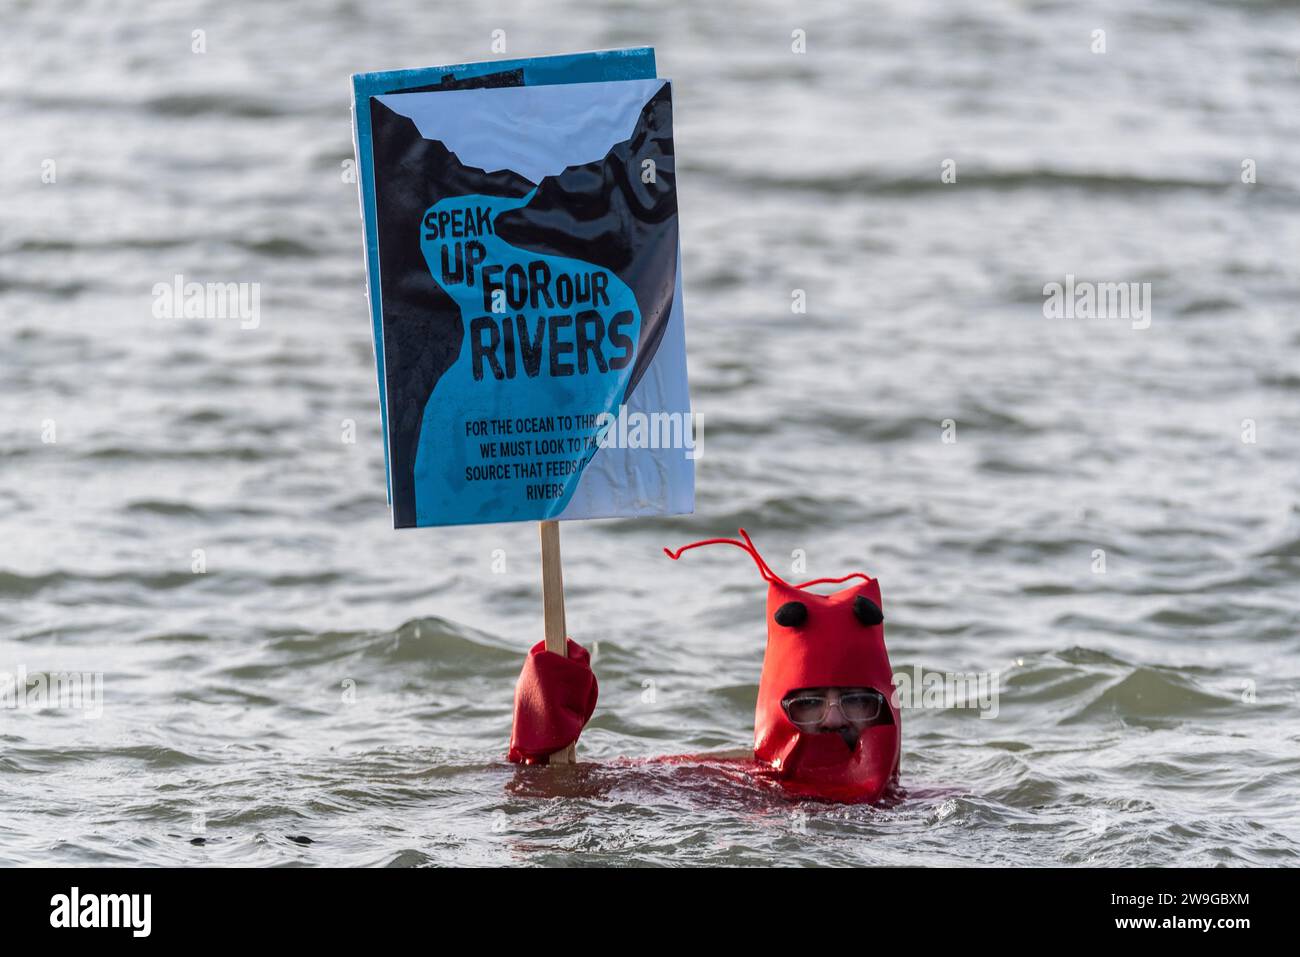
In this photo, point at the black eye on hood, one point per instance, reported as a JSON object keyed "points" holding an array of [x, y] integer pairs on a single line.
{"points": [[867, 611], [791, 615]]}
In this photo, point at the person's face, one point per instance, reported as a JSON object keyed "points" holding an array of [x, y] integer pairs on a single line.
{"points": [[842, 711]]}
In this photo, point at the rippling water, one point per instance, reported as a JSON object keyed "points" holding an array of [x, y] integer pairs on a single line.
{"points": [[332, 692]]}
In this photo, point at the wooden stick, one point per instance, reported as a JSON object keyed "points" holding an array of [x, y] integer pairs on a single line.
{"points": [[553, 610]]}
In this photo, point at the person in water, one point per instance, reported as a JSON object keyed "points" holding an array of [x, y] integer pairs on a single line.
{"points": [[826, 724]]}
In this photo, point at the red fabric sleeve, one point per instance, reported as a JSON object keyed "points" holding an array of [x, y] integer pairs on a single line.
{"points": [[553, 701]]}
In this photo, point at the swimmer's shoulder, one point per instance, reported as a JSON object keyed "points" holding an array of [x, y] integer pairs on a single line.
{"points": [[727, 756], [731, 754]]}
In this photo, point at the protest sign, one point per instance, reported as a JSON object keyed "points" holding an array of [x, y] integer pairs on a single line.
{"points": [[528, 282]]}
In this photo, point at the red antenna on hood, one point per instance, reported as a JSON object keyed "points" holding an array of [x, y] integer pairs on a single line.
{"points": [[747, 545], [763, 568]]}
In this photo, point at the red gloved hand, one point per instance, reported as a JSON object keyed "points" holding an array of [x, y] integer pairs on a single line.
{"points": [[553, 700]]}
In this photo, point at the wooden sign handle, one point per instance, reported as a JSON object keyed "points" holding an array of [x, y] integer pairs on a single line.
{"points": [[553, 610]]}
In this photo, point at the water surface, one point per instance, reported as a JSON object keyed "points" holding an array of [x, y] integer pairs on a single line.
{"points": [[332, 692]]}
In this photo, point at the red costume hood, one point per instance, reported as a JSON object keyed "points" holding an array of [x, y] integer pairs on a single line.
{"points": [[835, 640]]}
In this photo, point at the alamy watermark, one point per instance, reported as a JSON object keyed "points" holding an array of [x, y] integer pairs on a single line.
{"points": [[179, 299], [1098, 300], [66, 690], [651, 430], [946, 690], [75, 909]]}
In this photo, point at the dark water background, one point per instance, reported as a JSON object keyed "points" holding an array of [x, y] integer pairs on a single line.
{"points": [[330, 680]]}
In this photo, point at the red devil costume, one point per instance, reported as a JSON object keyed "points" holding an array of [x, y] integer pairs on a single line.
{"points": [[813, 642]]}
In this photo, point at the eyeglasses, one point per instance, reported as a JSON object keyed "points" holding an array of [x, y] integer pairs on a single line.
{"points": [[806, 709]]}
